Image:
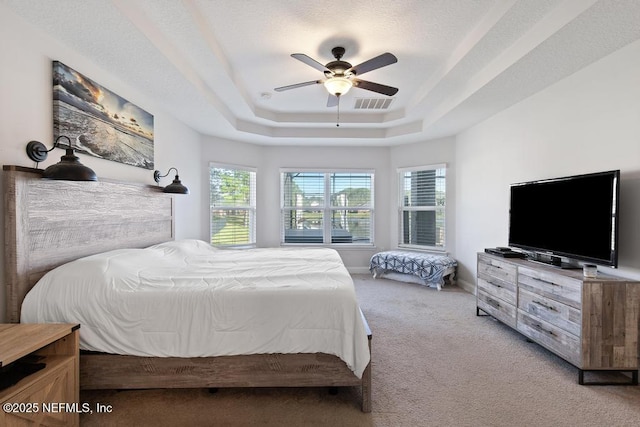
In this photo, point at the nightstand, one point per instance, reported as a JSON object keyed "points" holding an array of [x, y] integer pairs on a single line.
{"points": [[50, 395]]}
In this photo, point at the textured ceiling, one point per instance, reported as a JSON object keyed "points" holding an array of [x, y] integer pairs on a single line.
{"points": [[213, 64]]}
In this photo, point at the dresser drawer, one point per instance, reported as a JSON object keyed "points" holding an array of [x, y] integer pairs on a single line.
{"points": [[498, 289], [566, 290], [497, 308], [554, 312], [496, 271], [552, 337]]}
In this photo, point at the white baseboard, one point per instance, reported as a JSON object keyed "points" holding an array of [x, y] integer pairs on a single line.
{"points": [[358, 270], [469, 287]]}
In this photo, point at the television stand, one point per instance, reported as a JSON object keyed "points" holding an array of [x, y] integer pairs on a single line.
{"points": [[591, 323]]}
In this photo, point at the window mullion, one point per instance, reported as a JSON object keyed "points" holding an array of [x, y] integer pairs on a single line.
{"points": [[327, 217]]}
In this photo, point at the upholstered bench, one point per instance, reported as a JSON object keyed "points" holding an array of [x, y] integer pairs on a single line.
{"points": [[429, 269]]}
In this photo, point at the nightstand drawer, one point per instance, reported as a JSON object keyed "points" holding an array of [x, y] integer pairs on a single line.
{"points": [[57, 383], [52, 386]]}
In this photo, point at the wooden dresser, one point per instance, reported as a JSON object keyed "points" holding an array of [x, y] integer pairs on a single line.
{"points": [[50, 396], [591, 323]]}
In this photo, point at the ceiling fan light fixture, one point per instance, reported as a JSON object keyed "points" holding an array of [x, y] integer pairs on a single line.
{"points": [[338, 86]]}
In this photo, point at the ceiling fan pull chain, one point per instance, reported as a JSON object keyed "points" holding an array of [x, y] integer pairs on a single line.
{"points": [[338, 121]]}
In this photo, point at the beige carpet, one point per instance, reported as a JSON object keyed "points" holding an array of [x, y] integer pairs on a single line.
{"points": [[435, 363]]}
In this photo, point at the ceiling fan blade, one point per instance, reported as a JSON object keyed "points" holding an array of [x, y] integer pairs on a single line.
{"points": [[310, 61], [375, 87], [297, 85], [374, 63], [332, 101]]}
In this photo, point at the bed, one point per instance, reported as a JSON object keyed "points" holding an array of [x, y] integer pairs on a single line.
{"points": [[417, 267], [49, 224]]}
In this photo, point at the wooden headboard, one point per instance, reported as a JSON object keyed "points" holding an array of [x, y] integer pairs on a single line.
{"points": [[49, 223]]}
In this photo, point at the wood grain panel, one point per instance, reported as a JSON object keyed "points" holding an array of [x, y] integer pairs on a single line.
{"points": [[506, 292], [555, 339], [256, 370], [558, 314], [610, 336], [496, 270], [15, 346], [552, 285], [497, 308]]}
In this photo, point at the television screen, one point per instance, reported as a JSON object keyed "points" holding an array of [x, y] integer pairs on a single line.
{"points": [[574, 217]]}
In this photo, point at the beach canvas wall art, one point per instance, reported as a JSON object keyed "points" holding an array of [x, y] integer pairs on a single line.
{"points": [[98, 122]]}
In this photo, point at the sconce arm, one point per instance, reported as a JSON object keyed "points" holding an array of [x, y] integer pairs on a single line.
{"points": [[38, 152], [157, 176]]}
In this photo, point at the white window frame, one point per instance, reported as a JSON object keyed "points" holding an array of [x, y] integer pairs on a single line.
{"points": [[402, 208], [327, 209], [251, 208]]}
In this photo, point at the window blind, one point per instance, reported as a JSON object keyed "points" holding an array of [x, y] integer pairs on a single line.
{"points": [[422, 207], [232, 206], [327, 207]]}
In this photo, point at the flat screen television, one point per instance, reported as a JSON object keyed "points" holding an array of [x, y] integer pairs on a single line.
{"points": [[574, 217]]}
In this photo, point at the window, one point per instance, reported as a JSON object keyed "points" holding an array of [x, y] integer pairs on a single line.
{"points": [[422, 207], [232, 205], [327, 207]]}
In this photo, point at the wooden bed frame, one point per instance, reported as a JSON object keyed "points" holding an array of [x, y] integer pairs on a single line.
{"points": [[49, 223]]}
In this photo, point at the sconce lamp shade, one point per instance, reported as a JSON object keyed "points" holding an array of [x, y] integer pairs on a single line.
{"points": [[175, 187], [68, 168]]}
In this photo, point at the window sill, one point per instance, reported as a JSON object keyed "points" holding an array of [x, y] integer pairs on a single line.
{"points": [[441, 251], [359, 246]]}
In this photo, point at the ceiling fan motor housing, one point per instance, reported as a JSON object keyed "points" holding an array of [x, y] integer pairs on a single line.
{"points": [[337, 68], [338, 52]]}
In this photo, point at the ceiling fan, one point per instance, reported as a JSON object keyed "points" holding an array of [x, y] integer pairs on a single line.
{"points": [[340, 76]]}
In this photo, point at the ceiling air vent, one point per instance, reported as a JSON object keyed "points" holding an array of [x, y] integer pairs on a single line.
{"points": [[372, 103]]}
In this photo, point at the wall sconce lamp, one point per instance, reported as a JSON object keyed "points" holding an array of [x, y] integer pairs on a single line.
{"points": [[68, 168], [175, 187]]}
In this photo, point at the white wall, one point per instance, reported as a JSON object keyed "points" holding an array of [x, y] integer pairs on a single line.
{"points": [[438, 151], [26, 114], [588, 122]]}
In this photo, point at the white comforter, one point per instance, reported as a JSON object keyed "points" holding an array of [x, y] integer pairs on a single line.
{"points": [[188, 299]]}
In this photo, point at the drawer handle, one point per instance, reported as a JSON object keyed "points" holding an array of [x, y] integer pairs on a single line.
{"points": [[548, 282], [493, 303], [547, 306], [539, 327]]}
